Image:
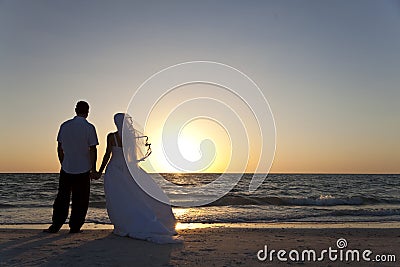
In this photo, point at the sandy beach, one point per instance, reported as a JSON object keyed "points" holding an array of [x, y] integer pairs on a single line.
{"points": [[204, 245]]}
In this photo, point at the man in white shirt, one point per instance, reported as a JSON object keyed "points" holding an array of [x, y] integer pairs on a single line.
{"points": [[77, 153]]}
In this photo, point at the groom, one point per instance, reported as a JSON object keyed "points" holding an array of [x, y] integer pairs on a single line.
{"points": [[77, 153]]}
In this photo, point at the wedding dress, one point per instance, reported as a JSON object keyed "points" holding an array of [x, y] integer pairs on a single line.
{"points": [[132, 211]]}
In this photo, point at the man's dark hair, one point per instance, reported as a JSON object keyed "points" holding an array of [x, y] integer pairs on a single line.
{"points": [[82, 107]]}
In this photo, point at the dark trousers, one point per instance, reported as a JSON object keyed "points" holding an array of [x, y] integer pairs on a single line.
{"points": [[79, 186]]}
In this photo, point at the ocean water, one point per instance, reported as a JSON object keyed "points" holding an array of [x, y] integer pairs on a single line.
{"points": [[28, 198]]}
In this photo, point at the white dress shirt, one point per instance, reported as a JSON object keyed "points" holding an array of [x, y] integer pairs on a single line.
{"points": [[76, 136]]}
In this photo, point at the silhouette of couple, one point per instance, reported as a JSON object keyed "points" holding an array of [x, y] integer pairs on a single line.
{"points": [[131, 210]]}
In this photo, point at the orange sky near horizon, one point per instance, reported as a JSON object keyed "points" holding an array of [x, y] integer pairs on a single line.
{"points": [[290, 157]]}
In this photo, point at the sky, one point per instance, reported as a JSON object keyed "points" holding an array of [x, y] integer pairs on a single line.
{"points": [[330, 71]]}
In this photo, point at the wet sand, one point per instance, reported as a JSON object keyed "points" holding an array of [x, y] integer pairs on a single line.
{"points": [[204, 245]]}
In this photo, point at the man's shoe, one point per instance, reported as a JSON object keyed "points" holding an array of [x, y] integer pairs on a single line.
{"points": [[51, 230]]}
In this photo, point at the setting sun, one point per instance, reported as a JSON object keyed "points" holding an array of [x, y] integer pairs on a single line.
{"points": [[190, 146]]}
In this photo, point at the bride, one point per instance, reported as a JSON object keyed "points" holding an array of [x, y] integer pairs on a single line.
{"points": [[132, 211]]}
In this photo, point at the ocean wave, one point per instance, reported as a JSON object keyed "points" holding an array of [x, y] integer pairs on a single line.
{"points": [[323, 200], [6, 206], [97, 204], [241, 200], [24, 206], [92, 204], [366, 213], [348, 215]]}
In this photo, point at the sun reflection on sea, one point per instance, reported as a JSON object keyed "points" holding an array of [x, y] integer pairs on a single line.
{"points": [[184, 212]]}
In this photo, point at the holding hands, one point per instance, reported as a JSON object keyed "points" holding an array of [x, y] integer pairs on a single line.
{"points": [[94, 175]]}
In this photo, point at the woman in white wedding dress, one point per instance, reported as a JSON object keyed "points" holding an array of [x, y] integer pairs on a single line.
{"points": [[132, 211]]}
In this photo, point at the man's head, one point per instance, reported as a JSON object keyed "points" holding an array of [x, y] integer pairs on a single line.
{"points": [[82, 109]]}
